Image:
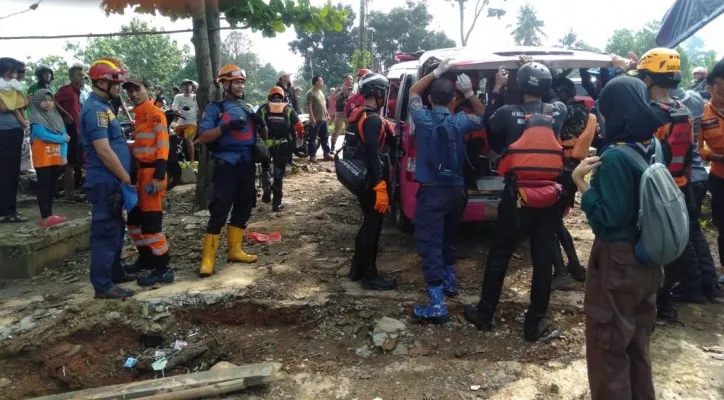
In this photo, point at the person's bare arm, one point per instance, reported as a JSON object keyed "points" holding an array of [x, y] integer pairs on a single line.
{"points": [[210, 135], [110, 160]]}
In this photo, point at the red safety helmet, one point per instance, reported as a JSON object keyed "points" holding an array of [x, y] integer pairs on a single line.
{"points": [[108, 68], [363, 72]]}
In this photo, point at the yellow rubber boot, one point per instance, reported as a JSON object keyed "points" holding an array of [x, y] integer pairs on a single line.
{"points": [[211, 245], [234, 235]]}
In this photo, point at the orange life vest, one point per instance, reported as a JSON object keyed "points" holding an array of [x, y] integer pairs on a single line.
{"points": [[151, 134], [711, 138], [677, 137], [577, 148], [536, 155]]}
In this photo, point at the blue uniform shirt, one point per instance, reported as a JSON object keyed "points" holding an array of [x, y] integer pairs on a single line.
{"points": [[97, 121], [233, 146], [425, 122]]}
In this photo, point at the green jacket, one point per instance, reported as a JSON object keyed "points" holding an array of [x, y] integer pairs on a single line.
{"points": [[611, 204]]}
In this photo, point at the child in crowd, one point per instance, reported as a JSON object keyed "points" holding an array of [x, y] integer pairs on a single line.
{"points": [[11, 90], [50, 151]]}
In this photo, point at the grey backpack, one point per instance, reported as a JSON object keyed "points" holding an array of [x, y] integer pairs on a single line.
{"points": [[663, 220]]}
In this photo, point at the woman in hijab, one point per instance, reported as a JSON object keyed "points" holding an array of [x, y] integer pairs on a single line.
{"points": [[50, 151], [620, 302]]}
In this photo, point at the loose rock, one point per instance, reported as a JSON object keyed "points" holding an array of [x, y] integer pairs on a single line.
{"points": [[223, 365], [364, 352], [389, 325]]}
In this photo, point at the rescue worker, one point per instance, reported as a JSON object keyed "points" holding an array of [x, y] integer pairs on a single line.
{"points": [[660, 70], [150, 154], [699, 188], [577, 133], [711, 145], [231, 129], [369, 138], [108, 162], [280, 119], [530, 203], [442, 195]]}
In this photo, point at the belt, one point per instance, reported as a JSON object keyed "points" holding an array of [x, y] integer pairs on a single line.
{"points": [[274, 142], [146, 165]]}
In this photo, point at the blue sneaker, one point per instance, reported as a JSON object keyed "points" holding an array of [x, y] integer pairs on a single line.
{"points": [[157, 276], [436, 312], [450, 284]]}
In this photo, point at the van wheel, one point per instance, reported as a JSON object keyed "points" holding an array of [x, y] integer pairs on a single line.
{"points": [[399, 218]]}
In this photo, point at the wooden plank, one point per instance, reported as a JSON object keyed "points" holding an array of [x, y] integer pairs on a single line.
{"points": [[252, 374], [202, 392]]}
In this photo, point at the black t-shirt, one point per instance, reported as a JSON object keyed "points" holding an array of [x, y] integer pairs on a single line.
{"points": [[116, 105]]}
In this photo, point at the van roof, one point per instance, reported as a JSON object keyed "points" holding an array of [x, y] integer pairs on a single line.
{"points": [[398, 69], [475, 58]]}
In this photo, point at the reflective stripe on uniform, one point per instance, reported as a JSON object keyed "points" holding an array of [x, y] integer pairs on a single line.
{"points": [[678, 160], [159, 128], [145, 150], [159, 251], [145, 135], [162, 143]]}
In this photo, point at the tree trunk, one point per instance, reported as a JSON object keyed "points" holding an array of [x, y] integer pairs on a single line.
{"points": [[203, 65], [214, 23], [463, 40], [362, 32]]}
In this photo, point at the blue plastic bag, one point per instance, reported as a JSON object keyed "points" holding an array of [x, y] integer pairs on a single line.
{"points": [[130, 197]]}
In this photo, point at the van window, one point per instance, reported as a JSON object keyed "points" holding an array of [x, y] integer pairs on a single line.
{"points": [[403, 98], [392, 94]]}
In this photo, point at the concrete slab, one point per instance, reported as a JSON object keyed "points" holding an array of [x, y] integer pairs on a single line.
{"points": [[28, 250]]}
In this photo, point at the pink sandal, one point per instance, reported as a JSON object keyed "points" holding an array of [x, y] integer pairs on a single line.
{"points": [[52, 221]]}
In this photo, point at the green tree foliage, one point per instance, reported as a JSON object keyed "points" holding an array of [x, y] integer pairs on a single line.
{"points": [[155, 57], [57, 63], [404, 29], [571, 41], [639, 42], [474, 14], [530, 28], [237, 49], [326, 53], [695, 49]]}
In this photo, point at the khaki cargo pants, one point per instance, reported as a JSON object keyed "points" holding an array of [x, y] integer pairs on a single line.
{"points": [[620, 307]]}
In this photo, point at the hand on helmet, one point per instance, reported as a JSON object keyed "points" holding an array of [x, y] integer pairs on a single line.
{"points": [[501, 78], [443, 67], [524, 59], [382, 201], [465, 85], [237, 124]]}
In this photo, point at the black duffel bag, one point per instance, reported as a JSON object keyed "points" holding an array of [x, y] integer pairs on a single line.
{"points": [[352, 174]]}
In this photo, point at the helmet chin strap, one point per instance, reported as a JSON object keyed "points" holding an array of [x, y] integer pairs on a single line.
{"points": [[106, 91]]}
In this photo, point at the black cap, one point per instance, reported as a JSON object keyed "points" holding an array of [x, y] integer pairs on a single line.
{"points": [[442, 91], [136, 81]]}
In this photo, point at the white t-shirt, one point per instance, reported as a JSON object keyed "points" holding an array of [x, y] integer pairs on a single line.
{"points": [[181, 101], [12, 84]]}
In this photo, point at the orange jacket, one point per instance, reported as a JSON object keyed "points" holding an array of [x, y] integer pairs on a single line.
{"points": [[711, 138], [151, 146], [577, 149]]}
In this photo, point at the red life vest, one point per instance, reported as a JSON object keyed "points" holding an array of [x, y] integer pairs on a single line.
{"points": [[676, 138]]}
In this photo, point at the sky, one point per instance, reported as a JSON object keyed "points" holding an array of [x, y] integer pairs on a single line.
{"points": [[85, 16]]}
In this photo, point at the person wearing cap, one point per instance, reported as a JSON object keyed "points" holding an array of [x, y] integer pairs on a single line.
{"points": [[285, 82], [441, 197], [699, 85], [150, 151], [69, 97], [530, 155], [185, 104], [341, 96], [230, 127], [175, 91], [108, 164]]}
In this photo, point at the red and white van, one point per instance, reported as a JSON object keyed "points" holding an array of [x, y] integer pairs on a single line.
{"points": [[485, 186]]}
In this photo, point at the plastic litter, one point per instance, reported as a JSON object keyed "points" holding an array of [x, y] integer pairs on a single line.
{"points": [[159, 365], [130, 363], [179, 344], [258, 237]]}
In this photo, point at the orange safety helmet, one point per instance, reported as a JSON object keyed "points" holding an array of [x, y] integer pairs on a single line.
{"points": [[275, 91], [363, 72], [108, 68], [230, 72]]}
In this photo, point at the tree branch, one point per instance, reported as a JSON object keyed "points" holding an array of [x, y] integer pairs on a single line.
{"points": [[137, 33], [479, 6]]}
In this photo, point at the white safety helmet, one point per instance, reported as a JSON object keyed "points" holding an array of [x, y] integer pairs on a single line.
{"points": [[700, 70]]}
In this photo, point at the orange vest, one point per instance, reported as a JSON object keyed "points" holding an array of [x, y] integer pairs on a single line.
{"points": [[711, 138], [677, 135], [151, 134], [535, 156], [45, 154], [577, 148]]}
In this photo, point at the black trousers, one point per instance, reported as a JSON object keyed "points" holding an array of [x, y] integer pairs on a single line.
{"points": [[47, 179], [709, 285], [367, 243], [276, 170], [513, 223], [11, 145], [233, 191], [716, 187]]}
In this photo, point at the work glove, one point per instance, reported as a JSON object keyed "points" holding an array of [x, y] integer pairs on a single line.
{"points": [[465, 85], [237, 124], [382, 201], [443, 67]]}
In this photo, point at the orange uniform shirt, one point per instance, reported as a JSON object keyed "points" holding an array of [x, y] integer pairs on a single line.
{"points": [[711, 138]]}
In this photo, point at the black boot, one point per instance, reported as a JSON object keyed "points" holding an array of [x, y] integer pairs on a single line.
{"points": [[534, 328], [666, 309], [577, 271], [371, 280], [355, 271], [266, 197], [561, 279], [479, 316]]}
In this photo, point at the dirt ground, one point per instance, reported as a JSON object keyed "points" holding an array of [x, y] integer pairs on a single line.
{"points": [[295, 306]]}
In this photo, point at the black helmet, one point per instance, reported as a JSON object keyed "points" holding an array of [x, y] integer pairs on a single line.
{"points": [[534, 79], [373, 84], [41, 69], [564, 88]]}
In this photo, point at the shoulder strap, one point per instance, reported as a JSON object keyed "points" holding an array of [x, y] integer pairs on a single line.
{"points": [[547, 108], [633, 156]]}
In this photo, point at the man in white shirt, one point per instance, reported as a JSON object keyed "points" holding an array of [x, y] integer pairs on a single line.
{"points": [[185, 104]]}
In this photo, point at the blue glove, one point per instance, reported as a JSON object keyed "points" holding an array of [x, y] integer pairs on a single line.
{"points": [[130, 197]]}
